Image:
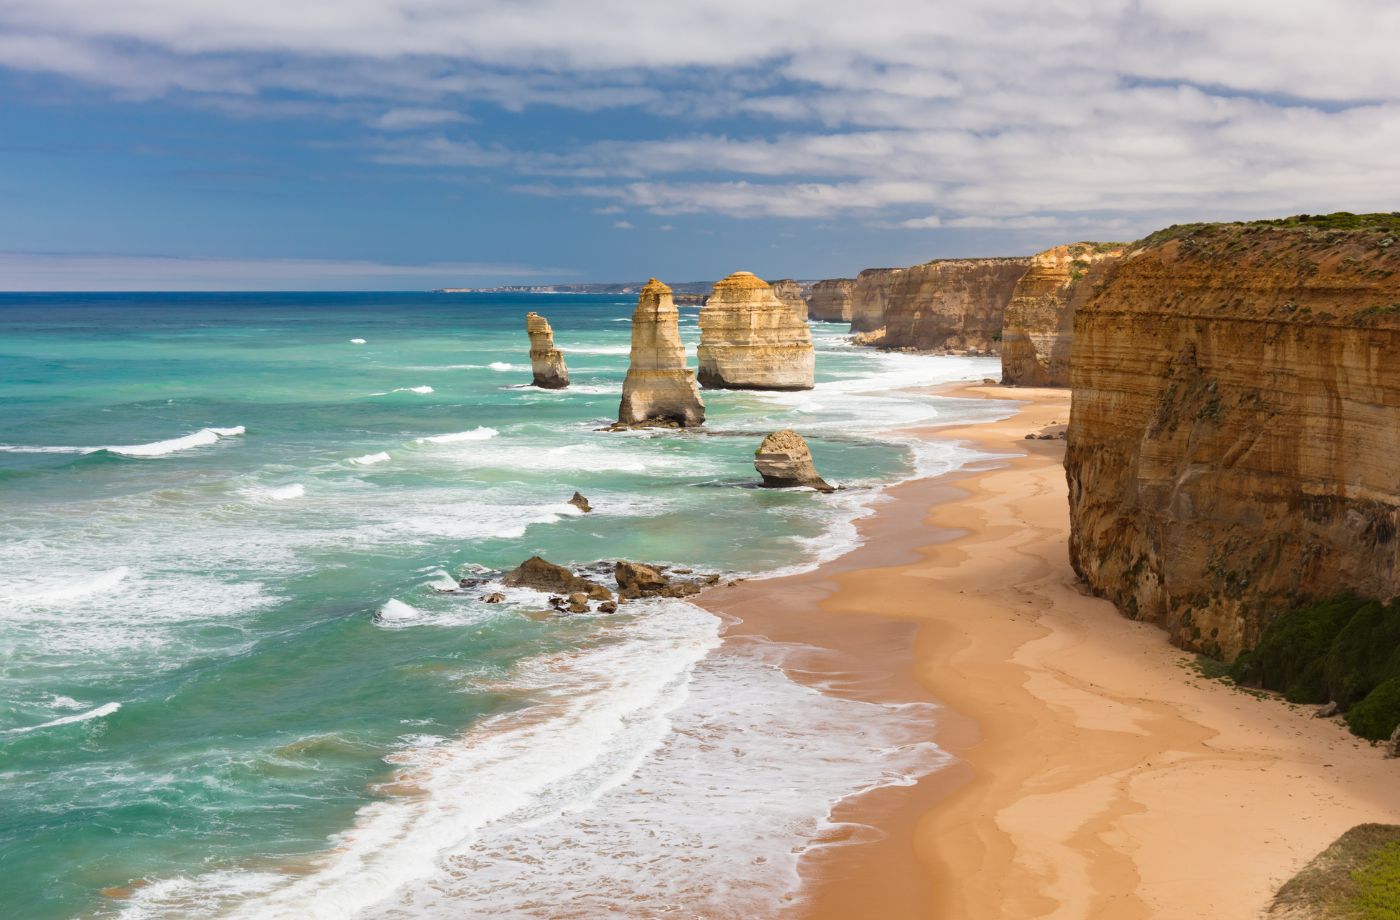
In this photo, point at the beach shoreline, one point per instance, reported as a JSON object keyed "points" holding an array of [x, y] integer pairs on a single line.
{"points": [[1095, 774]]}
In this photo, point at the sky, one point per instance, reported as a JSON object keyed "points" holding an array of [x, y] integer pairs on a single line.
{"points": [[413, 144]]}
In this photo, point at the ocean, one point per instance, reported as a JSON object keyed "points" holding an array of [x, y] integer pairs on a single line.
{"points": [[231, 682]]}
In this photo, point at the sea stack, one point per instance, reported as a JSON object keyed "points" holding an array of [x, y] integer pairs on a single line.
{"points": [[831, 301], [784, 461], [546, 361], [1038, 329], [659, 388], [789, 292], [750, 340]]}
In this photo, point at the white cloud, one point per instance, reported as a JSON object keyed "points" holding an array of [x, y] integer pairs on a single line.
{"points": [[1014, 115], [623, 225]]}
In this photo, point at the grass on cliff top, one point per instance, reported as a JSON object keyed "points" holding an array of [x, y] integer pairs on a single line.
{"points": [[1388, 222], [1343, 649], [1356, 878]]}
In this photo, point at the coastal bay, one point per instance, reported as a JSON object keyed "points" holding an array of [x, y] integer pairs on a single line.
{"points": [[1095, 772]]}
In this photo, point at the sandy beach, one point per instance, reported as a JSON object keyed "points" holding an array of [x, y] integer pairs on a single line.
{"points": [[1096, 775]]}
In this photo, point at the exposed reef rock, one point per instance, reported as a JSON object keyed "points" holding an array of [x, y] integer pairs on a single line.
{"points": [[546, 361], [790, 292], [1038, 330], [636, 580], [870, 297], [831, 301], [659, 388], [546, 576], [581, 503], [750, 340], [784, 461], [1234, 438], [950, 305]]}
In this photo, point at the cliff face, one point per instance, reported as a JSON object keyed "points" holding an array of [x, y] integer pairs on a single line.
{"points": [[790, 292], [1038, 328], [1235, 435], [831, 301], [659, 388], [546, 361], [750, 340], [950, 305], [871, 294]]}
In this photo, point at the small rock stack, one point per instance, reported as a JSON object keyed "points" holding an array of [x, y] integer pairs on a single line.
{"points": [[546, 361]]}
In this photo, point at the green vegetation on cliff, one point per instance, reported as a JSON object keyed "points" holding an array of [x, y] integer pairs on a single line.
{"points": [[1344, 649], [1356, 878], [1386, 223]]}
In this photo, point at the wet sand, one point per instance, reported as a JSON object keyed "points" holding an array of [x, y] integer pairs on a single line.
{"points": [[1095, 774]]}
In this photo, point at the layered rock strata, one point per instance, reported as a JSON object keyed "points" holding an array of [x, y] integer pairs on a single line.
{"points": [[832, 301], [750, 340], [789, 292], [659, 389], [950, 305], [1233, 445], [784, 461], [546, 361], [870, 297], [1038, 328]]}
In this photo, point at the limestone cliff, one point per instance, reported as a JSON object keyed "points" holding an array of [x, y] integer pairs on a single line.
{"points": [[831, 301], [950, 305], [1038, 328], [784, 460], [871, 294], [750, 340], [659, 388], [546, 361], [1235, 430], [790, 292]]}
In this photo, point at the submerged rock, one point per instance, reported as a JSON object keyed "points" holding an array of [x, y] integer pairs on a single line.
{"points": [[659, 388], [546, 361], [784, 461], [542, 575], [751, 340], [578, 602], [495, 597], [581, 503]]}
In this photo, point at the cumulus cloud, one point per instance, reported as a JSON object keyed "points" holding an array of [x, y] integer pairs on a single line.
{"points": [[1005, 114]]}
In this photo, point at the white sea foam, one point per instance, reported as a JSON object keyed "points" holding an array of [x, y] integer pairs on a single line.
{"points": [[70, 587], [423, 389], [201, 438], [648, 777], [396, 611], [357, 341], [501, 366], [287, 492], [481, 433], [106, 709], [370, 459]]}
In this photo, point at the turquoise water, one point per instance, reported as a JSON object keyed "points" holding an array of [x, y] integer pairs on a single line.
{"points": [[208, 500]]}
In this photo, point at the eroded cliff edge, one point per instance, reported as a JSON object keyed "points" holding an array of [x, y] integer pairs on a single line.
{"points": [[1234, 444], [1038, 328], [949, 305]]}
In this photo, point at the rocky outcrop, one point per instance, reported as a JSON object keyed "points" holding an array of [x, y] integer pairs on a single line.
{"points": [[546, 361], [546, 576], [1038, 329], [950, 305], [581, 503], [790, 292], [1236, 422], [784, 461], [659, 388], [870, 297], [635, 580], [831, 301], [750, 340]]}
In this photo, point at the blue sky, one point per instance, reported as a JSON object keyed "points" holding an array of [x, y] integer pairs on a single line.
{"points": [[423, 143]]}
